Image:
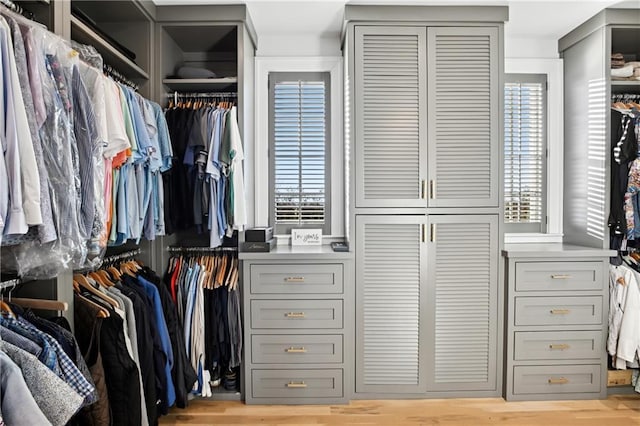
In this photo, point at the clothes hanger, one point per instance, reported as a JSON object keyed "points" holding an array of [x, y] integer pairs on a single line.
{"points": [[102, 312], [99, 279], [4, 307], [84, 283], [42, 304]]}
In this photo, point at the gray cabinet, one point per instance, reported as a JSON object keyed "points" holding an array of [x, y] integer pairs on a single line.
{"points": [[416, 146], [298, 326], [426, 305], [557, 298], [423, 142]]}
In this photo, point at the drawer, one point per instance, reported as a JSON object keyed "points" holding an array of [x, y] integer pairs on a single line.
{"points": [[296, 348], [295, 314], [552, 379], [326, 383], [297, 279], [558, 276], [579, 310], [534, 345]]}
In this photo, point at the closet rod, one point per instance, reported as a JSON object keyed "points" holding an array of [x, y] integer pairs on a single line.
{"points": [[122, 256], [17, 9], [10, 284], [118, 76], [201, 249], [202, 95]]}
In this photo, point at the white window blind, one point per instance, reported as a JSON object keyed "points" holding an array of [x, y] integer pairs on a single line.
{"points": [[299, 146], [525, 153]]}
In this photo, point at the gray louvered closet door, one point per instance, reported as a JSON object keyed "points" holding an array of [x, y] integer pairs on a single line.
{"points": [[462, 296], [463, 113], [390, 116], [390, 269]]}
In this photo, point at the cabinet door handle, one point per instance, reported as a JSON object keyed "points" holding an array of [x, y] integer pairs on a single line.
{"points": [[559, 347], [560, 311], [560, 277], [432, 189], [423, 231], [296, 385], [294, 315], [294, 280], [293, 350], [558, 381], [432, 237], [423, 190]]}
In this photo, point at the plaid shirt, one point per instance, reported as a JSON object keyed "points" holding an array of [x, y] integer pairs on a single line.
{"points": [[69, 371]]}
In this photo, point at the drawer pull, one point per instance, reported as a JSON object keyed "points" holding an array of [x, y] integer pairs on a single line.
{"points": [[294, 315], [560, 277], [558, 381], [296, 385], [294, 280], [293, 350], [560, 311], [559, 347]]}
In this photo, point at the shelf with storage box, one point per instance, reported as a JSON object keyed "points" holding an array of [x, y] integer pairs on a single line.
{"points": [[556, 327], [121, 31], [298, 326]]}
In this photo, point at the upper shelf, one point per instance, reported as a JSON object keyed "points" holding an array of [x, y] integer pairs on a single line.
{"points": [[81, 33], [199, 84], [624, 85]]}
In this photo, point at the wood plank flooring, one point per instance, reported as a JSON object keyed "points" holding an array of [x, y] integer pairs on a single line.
{"points": [[618, 410]]}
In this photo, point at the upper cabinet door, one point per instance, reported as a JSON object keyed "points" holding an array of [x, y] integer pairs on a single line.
{"points": [[390, 116], [463, 112]]}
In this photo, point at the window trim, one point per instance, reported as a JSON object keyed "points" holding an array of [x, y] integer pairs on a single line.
{"points": [[274, 78], [540, 227], [554, 69], [257, 162]]}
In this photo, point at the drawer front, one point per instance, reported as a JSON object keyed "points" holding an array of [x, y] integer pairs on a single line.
{"points": [[556, 379], [297, 279], [583, 310], [326, 383], [558, 276], [296, 314], [534, 345], [296, 348]]}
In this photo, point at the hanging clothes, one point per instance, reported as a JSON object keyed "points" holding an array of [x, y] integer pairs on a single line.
{"points": [[203, 288], [82, 155], [205, 188]]}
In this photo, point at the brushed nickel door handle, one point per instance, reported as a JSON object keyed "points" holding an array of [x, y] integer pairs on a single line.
{"points": [[296, 385], [558, 381], [294, 279], [293, 350], [294, 315]]}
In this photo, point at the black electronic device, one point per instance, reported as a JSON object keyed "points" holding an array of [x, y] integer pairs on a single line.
{"points": [[338, 246]]}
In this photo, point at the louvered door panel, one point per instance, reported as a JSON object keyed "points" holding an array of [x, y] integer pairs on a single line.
{"points": [[462, 302], [390, 116], [389, 271], [463, 116]]}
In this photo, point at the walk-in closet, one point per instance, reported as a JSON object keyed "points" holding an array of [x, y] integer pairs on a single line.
{"points": [[337, 212]]}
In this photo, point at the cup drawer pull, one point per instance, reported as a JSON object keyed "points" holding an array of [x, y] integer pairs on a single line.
{"points": [[559, 347], [558, 381], [560, 311], [294, 280], [293, 350], [560, 277], [294, 315], [296, 385]]}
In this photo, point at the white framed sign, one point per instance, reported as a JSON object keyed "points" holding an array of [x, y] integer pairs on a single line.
{"points": [[306, 237]]}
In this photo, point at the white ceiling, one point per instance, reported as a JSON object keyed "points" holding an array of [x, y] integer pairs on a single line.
{"points": [[546, 19]]}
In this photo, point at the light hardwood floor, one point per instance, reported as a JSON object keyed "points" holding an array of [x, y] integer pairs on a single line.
{"points": [[619, 410]]}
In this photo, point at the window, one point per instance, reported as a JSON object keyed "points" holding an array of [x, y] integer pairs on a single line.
{"points": [[525, 151], [299, 141]]}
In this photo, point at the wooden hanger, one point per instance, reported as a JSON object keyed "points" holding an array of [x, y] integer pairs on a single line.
{"points": [[43, 304], [114, 272], [84, 283], [102, 312], [6, 308], [99, 279]]}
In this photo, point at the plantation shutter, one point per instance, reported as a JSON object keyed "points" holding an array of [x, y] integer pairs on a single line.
{"points": [[524, 153], [299, 146]]}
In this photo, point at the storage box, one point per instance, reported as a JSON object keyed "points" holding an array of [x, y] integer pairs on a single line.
{"points": [[258, 234], [619, 377], [258, 246]]}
